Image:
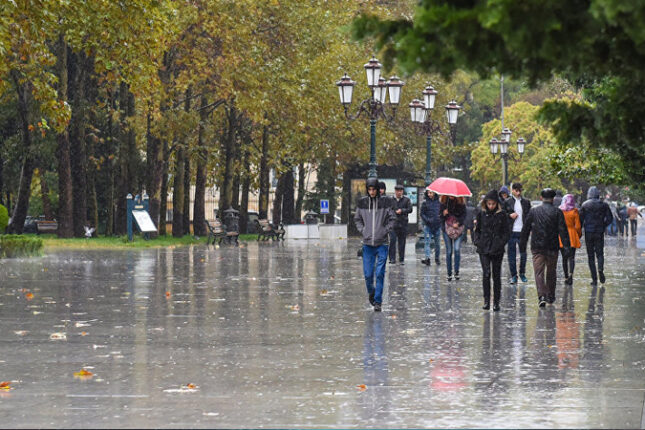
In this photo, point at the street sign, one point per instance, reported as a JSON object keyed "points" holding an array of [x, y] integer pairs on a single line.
{"points": [[324, 206]]}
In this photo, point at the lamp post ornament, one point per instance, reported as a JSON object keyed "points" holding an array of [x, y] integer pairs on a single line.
{"points": [[420, 114], [374, 106]]}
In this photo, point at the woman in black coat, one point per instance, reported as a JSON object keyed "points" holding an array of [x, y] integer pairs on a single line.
{"points": [[491, 235]]}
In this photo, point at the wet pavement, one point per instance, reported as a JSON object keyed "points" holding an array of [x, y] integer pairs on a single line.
{"points": [[282, 335]]}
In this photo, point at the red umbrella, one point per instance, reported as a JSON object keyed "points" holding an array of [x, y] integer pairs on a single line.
{"points": [[450, 187]]}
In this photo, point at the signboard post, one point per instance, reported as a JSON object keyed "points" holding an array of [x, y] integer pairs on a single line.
{"points": [[138, 211], [324, 208]]}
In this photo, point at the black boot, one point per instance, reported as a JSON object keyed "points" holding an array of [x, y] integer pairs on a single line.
{"points": [[486, 304], [372, 299], [601, 276], [496, 306]]}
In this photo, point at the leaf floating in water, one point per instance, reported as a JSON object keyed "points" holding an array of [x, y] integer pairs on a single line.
{"points": [[83, 373], [5, 385], [323, 292], [84, 333], [361, 387], [191, 386], [58, 336], [21, 332], [29, 296], [167, 294]]}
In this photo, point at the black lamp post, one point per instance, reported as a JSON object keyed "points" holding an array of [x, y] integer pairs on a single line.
{"points": [[420, 112], [373, 107], [501, 146]]}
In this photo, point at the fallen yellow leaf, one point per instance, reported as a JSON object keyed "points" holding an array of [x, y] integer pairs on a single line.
{"points": [[167, 294], [83, 373], [29, 296], [362, 387], [191, 386], [84, 333], [5, 385]]}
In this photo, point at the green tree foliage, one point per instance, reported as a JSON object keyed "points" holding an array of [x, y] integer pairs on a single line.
{"points": [[597, 45], [4, 218]]}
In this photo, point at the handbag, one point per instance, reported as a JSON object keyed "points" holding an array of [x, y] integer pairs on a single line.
{"points": [[452, 232]]}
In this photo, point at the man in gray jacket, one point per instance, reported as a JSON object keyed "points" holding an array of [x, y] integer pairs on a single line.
{"points": [[374, 219]]}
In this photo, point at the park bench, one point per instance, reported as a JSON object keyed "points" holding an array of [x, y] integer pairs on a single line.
{"points": [[216, 232], [43, 226], [267, 231]]}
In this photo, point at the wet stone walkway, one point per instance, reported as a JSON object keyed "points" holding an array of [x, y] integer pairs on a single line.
{"points": [[282, 335]]}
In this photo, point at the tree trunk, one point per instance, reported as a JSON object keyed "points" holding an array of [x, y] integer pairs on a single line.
{"points": [[92, 141], [186, 220], [301, 192], [78, 154], [26, 173], [178, 189], [65, 197], [199, 205], [246, 183], [288, 216], [277, 200], [123, 185], [109, 223], [44, 192], [1, 182], [346, 197], [153, 172], [226, 190], [178, 195], [163, 196], [331, 190], [263, 210]]}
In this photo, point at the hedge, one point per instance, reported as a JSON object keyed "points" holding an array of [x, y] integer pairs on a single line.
{"points": [[14, 245], [4, 218]]}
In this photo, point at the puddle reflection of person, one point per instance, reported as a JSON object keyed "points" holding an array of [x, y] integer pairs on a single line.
{"points": [[567, 335], [375, 400], [591, 362]]}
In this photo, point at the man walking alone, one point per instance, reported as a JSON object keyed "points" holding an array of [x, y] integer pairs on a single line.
{"points": [[545, 223], [517, 208], [402, 207], [595, 216], [374, 219]]}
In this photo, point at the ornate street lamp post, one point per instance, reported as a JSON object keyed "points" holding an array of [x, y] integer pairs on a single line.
{"points": [[420, 114], [501, 146], [373, 107]]}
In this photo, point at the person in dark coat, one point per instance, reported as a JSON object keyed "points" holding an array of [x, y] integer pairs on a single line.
{"points": [[595, 216], [402, 208], [517, 209], [431, 216], [470, 221], [453, 216], [491, 235], [503, 193], [374, 219], [382, 189], [557, 200], [622, 220], [545, 223]]}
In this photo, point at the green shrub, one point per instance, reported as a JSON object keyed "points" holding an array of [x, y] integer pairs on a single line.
{"points": [[14, 245], [4, 219]]}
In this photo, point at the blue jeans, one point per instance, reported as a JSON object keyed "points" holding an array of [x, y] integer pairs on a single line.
{"points": [[513, 244], [452, 244], [373, 264], [431, 235]]}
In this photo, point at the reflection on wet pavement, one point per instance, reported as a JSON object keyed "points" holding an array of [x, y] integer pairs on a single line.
{"points": [[273, 335]]}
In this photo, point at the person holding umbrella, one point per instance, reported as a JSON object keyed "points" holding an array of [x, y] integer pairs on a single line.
{"points": [[453, 215]]}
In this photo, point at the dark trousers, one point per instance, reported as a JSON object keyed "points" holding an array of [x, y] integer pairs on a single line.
{"points": [[568, 263], [634, 225], [513, 244], [545, 263], [595, 251], [494, 262], [622, 225], [397, 235]]}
